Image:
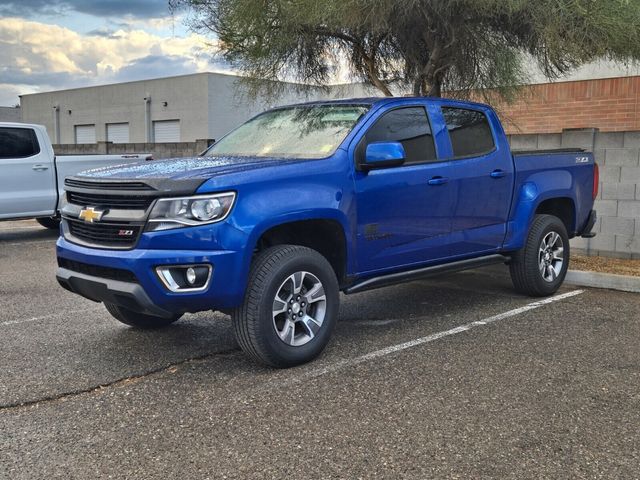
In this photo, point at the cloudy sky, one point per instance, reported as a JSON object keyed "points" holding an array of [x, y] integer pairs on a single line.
{"points": [[56, 44]]}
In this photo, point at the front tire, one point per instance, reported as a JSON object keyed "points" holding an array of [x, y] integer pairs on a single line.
{"points": [[52, 223], [290, 307], [540, 267], [139, 320]]}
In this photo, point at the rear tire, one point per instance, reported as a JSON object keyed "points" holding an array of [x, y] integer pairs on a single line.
{"points": [[540, 267], [52, 223], [139, 320], [290, 307]]}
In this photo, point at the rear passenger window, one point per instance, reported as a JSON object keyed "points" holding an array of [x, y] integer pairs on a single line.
{"points": [[469, 131], [408, 126], [18, 143]]}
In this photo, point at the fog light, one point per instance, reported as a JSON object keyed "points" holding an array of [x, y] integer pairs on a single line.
{"points": [[185, 278], [191, 276]]}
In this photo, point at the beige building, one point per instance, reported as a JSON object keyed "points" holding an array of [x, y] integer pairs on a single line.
{"points": [[173, 109], [10, 114]]}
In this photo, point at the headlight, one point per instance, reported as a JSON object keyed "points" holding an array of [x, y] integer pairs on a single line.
{"points": [[181, 212]]}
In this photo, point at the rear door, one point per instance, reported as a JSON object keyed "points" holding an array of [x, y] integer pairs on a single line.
{"points": [[404, 213], [482, 180], [27, 175]]}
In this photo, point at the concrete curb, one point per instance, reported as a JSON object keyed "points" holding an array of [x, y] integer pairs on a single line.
{"points": [[624, 283]]}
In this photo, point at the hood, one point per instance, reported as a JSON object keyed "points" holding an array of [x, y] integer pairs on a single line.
{"points": [[178, 175], [202, 168]]}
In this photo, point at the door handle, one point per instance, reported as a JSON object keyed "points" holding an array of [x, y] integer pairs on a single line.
{"points": [[39, 167], [438, 181], [498, 174]]}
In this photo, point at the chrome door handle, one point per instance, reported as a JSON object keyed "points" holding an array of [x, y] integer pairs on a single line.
{"points": [[438, 181], [39, 167]]}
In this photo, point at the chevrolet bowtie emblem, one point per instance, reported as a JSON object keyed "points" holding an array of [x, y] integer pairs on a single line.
{"points": [[91, 215]]}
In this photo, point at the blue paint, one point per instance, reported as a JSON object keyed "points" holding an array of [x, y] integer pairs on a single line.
{"points": [[394, 218]]}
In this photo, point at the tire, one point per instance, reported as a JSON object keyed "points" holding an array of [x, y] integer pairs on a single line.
{"points": [[540, 267], [52, 223], [139, 320], [263, 324]]}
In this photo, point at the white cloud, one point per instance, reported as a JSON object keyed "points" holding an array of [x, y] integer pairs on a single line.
{"points": [[48, 57]]}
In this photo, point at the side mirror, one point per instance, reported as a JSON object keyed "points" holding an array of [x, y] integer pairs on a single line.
{"points": [[384, 155]]}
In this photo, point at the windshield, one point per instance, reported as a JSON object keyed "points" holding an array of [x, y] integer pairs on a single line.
{"points": [[312, 131]]}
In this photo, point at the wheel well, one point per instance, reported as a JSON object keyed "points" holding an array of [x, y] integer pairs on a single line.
{"points": [[324, 236], [562, 208]]}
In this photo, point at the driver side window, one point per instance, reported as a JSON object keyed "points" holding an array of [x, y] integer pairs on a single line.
{"points": [[409, 126]]}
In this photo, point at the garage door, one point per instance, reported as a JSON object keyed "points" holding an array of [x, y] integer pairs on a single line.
{"points": [[85, 134], [166, 131], [118, 132]]}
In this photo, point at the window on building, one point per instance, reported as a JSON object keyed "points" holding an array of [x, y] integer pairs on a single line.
{"points": [[118, 132], [166, 131], [469, 131], [408, 126], [18, 143], [85, 134]]}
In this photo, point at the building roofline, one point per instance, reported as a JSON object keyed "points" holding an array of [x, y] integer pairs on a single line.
{"points": [[221, 74]]}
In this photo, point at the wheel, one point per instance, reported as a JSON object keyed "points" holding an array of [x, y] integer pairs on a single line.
{"points": [[139, 320], [290, 307], [539, 268], [52, 223]]}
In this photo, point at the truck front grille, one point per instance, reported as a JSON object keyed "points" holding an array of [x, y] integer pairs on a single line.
{"points": [[104, 234], [120, 202], [102, 185]]}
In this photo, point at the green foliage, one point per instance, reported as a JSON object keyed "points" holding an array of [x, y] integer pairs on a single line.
{"points": [[423, 46]]}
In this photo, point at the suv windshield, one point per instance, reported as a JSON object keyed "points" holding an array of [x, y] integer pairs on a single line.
{"points": [[312, 131]]}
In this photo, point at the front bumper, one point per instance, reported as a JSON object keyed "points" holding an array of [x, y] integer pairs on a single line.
{"points": [[142, 291]]}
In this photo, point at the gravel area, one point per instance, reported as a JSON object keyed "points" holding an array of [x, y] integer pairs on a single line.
{"points": [[618, 266]]}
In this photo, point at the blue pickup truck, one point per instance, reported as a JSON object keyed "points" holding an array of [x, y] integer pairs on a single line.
{"points": [[305, 201]]}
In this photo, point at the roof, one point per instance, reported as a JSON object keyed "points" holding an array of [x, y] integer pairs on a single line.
{"points": [[370, 101], [20, 125]]}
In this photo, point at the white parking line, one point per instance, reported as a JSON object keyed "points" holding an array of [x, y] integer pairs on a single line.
{"points": [[47, 317], [51, 241], [8, 229], [430, 338]]}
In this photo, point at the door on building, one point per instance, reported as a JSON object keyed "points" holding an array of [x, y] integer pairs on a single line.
{"points": [[85, 134], [166, 131], [118, 132]]}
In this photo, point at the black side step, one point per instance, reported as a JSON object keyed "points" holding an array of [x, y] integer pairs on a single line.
{"points": [[400, 277]]}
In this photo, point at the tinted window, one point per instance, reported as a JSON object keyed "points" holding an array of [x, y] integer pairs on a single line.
{"points": [[408, 126], [469, 131], [18, 143]]}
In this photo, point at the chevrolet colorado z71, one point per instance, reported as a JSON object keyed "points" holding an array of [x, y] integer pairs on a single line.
{"points": [[305, 201]]}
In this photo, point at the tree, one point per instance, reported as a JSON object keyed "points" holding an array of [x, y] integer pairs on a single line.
{"points": [[422, 46]]}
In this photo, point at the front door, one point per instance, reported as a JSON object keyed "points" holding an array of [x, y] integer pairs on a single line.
{"points": [[404, 213], [27, 176]]}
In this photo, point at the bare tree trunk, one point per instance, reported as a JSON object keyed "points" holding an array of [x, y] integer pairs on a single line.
{"points": [[436, 89]]}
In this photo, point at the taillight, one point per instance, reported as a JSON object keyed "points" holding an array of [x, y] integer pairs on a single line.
{"points": [[596, 180]]}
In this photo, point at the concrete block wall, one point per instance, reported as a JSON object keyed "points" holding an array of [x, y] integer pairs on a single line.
{"points": [[158, 150], [618, 202]]}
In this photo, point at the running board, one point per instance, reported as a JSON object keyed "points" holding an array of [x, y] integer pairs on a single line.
{"points": [[401, 277]]}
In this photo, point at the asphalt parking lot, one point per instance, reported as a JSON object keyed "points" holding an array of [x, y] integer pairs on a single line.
{"points": [[451, 377]]}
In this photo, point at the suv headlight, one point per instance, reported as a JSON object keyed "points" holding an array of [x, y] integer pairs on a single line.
{"points": [[169, 213]]}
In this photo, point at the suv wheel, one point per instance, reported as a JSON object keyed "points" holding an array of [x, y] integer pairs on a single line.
{"points": [[139, 320], [290, 308], [540, 267], [52, 223]]}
